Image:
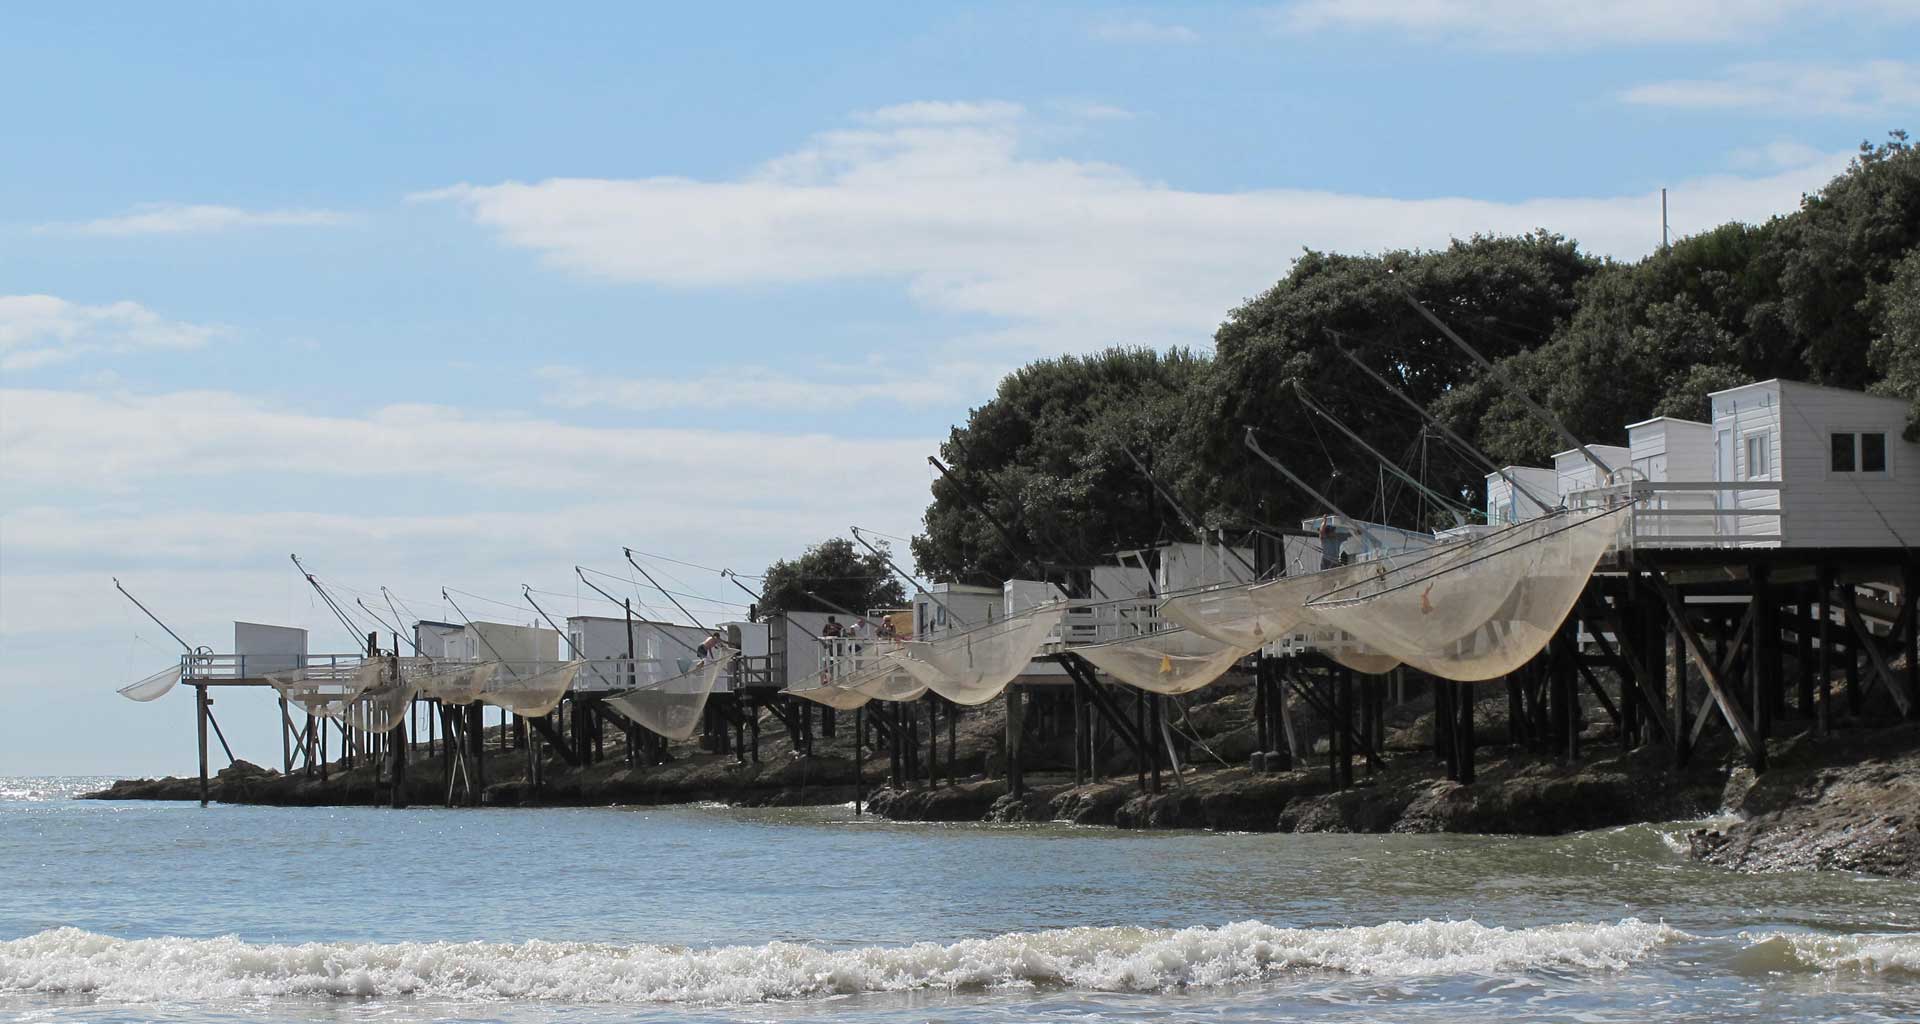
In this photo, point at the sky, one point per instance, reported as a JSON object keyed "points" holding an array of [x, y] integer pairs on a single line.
{"points": [[464, 295]]}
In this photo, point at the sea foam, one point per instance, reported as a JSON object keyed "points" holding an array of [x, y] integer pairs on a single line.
{"points": [[1867, 954], [69, 960]]}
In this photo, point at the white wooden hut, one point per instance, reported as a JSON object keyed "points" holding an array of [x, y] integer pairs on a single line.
{"points": [[439, 640], [1507, 505], [954, 606], [1814, 466], [1574, 472], [261, 648]]}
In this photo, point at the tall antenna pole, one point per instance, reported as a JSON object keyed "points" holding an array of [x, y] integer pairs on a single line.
{"points": [[1664, 245], [1513, 387], [150, 615], [656, 585], [1466, 446]]}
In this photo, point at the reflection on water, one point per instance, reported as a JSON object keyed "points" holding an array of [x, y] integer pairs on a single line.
{"points": [[168, 911]]}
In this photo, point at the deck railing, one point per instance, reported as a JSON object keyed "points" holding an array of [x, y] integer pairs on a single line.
{"points": [[1692, 514]]}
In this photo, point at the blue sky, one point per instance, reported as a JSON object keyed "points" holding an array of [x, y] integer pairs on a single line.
{"points": [[462, 295]]}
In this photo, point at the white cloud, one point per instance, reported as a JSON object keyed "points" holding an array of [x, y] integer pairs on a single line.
{"points": [[1866, 87], [1142, 30], [112, 444], [185, 218], [840, 388], [1780, 153], [934, 112], [1065, 254], [36, 330], [1530, 24], [210, 485]]}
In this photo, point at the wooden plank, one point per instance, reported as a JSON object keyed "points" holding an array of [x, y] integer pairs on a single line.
{"points": [[1876, 658], [1742, 731], [1701, 724], [1636, 666]]}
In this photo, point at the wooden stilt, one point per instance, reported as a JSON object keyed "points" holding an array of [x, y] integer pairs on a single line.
{"points": [[1016, 733], [1463, 740], [200, 717], [859, 758]]}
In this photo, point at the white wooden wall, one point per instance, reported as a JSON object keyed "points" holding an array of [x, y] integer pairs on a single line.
{"points": [[1838, 509]]}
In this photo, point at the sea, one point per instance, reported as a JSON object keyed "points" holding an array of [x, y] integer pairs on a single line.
{"points": [[118, 912]]}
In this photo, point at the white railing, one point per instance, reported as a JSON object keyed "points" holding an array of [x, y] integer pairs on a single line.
{"points": [[228, 667], [1680, 513]]}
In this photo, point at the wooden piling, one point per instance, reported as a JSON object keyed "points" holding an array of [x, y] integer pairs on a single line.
{"points": [[200, 717], [1016, 731]]}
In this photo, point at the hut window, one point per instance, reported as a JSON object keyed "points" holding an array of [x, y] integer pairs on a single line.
{"points": [[1843, 461], [1873, 453], [1863, 453], [1758, 456]]}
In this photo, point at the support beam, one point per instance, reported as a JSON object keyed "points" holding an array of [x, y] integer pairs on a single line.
{"points": [[1743, 733], [200, 717], [1876, 658]]}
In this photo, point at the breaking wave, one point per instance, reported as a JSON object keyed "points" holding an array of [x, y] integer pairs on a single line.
{"points": [[69, 960], [1867, 954]]}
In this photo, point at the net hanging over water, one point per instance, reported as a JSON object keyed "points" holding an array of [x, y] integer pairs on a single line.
{"points": [[1171, 661], [153, 687], [672, 707], [323, 690], [1227, 613], [529, 688], [388, 691], [1481, 609], [975, 666], [839, 698], [457, 682]]}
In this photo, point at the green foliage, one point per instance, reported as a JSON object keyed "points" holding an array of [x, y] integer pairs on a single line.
{"points": [[1896, 352], [835, 570], [1044, 460], [1829, 293], [1504, 294]]}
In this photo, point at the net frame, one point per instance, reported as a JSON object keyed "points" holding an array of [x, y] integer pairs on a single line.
{"points": [[673, 708], [974, 666], [390, 684], [1167, 661], [324, 691], [1501, 597], [155, 686]]}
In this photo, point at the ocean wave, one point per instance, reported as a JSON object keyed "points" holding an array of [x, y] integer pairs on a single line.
{"points": [[1868, 954], [69, 960]]}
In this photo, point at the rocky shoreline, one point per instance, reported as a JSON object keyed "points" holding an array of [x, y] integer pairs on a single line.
{"points": [[1850, 801]]}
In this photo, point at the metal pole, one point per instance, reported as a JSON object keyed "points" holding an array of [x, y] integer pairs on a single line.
{"points": [[1513, 387], [150, 615], [669, 595], [1472, 450]]}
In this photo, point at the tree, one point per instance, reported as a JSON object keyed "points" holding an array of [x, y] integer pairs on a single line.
{"points": [[836, 571], [1504, 294], [1896, 352], [1044, 461], [1834, 257]]}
